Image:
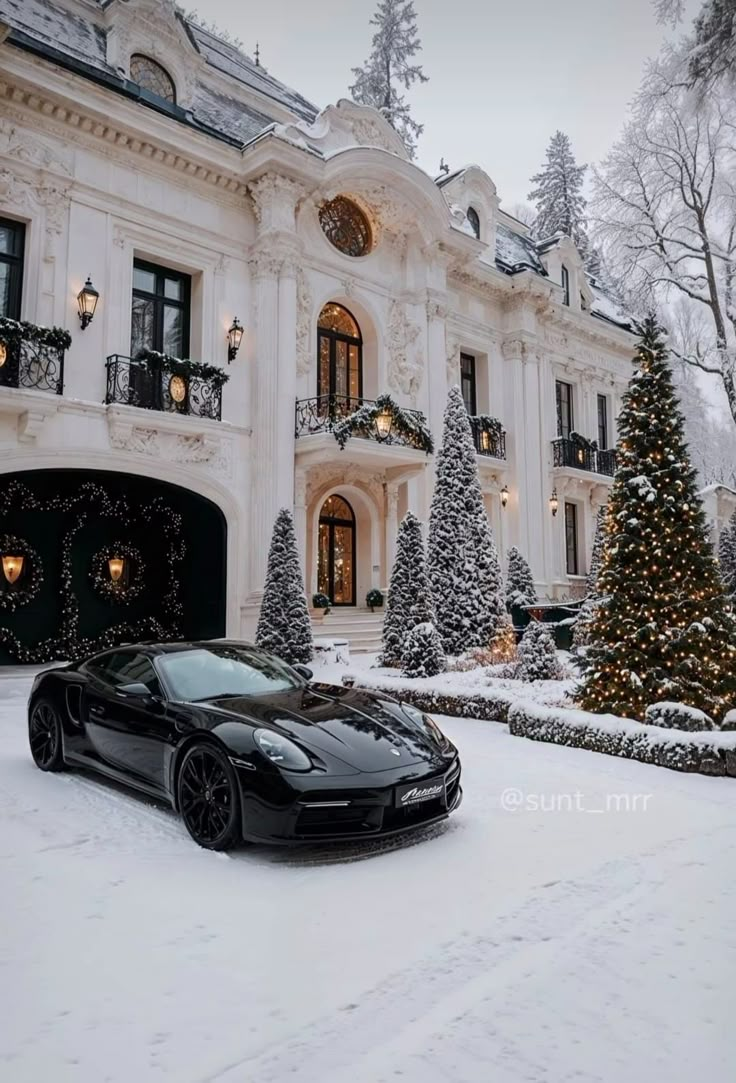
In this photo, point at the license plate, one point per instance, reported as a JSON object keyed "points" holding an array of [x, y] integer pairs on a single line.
{"points": [[416, 793]]}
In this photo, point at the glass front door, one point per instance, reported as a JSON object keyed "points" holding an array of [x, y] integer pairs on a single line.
{"points": [[336, 559]]}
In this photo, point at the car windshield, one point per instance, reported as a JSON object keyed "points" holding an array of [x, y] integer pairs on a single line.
{"points": [[207, 672]]}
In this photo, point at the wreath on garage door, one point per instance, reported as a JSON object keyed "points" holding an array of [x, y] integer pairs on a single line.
{"points": [[21, 573], [117, 573]]}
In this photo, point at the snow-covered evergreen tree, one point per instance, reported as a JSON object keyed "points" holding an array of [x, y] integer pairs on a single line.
{"points": [[727, 555], [462, 562], [424, 655], [587, 609], [538, 659], [664, 629], [283, 625], [389, 66], [520, 589], [409, 548], [558, 194]]}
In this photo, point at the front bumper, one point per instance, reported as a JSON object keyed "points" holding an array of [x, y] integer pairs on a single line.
{"points": [[332, 810]]}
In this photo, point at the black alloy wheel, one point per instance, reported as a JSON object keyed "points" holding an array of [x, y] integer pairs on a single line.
{"points": [[209, 799], [44, 736]]}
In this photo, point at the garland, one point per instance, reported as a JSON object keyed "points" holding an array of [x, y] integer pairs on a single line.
{"points": [[13, 331], [410, 425], [491, 425], [583, 442], [15, 595], [175, 366], [120, 592], [68, 644]]}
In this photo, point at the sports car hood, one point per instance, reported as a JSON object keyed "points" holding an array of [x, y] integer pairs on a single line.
{"points": [[355, 727]]}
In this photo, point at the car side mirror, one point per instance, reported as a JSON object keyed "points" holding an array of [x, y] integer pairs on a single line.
{"points": [[135, 688], [303, 671]]}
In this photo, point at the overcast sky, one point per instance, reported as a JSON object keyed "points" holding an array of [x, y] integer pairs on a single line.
{"points": [[504, 74]]}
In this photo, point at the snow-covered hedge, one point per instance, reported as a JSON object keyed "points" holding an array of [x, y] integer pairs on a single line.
{"points": [[441, 696], [709, 753], [678, 716]]}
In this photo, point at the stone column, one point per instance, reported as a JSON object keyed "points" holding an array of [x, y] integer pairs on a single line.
{"points": [[300, 520], [392, 525]]}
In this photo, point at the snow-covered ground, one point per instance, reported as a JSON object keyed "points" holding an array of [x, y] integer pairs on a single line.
{"points": [[595, 941]]}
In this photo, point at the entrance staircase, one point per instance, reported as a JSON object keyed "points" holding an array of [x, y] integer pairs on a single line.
{"points": [[359, 626]]}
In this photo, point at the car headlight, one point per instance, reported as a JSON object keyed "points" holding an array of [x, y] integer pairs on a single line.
{"points": [[427, 724], [281, 751]]}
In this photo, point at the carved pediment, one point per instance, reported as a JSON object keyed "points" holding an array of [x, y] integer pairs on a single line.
{"points": [[345, 125]]}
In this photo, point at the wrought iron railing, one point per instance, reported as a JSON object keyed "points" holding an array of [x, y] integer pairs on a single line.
{"points": [[489, 439], [322, 413], [583, 455], [31, 365], [151, 386]]}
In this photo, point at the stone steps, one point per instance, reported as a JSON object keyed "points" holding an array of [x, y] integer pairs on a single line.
{"points": [[361, 628]]}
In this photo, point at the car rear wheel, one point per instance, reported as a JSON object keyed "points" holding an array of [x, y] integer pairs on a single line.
{"points": [[209, 798], [44, 736]]}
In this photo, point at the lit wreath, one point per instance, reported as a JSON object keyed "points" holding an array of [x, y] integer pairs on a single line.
{"points": [[118, 593], [23, 591]]}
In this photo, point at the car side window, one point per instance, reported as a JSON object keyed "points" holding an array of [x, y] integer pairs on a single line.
{"points": [[130, 667]]}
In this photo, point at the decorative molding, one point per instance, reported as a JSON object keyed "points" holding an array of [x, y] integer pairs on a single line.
{"points": [[452, 345], [274, 199], [304, 352], [30, 424], [406, 366], [197, 449]]}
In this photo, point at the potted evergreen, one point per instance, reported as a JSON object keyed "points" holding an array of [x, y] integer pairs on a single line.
{"points": [[321, 601], [374, 599]]}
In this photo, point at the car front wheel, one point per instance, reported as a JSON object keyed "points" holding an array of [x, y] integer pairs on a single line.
{"points": [[44, 736], [209, 798]]}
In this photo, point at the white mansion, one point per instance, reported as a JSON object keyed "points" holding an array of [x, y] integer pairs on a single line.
{"points": [[197, 195]]}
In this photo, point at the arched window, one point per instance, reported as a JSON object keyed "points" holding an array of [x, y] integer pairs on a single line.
{"points": [[339, 360], [473, 217], [565, 285], [345, 226], [336, 562], [152, 77]]}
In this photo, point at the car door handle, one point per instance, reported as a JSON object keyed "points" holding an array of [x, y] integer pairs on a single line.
{"points": [[95, 709]]}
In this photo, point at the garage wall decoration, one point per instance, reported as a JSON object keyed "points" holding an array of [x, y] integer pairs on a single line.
{"points": [[28, 584], [130, 585]]}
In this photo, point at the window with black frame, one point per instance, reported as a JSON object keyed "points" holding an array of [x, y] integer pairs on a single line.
{"points": [[160, 312], [565, 286], [12, 244], [571, 538], [339, 361], [602, 422], [468, 384], [565, 421]]}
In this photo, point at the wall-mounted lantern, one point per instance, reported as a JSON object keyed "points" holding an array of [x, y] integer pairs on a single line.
{"points": [[116, 567], [87, 299], [12, 567], [234, 337], [3, 354], [554, 502], [504, 496], [384, 421]]}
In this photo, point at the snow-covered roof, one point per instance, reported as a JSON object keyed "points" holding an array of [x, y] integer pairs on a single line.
{"points": [[608, 308], [515, 252], [43, 25]]}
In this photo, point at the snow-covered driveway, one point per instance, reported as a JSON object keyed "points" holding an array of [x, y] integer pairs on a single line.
{"points": [[511, 946]]}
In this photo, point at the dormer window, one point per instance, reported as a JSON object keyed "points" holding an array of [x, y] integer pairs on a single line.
{"points": [[565, 286], [472, 215], [152, 77]]}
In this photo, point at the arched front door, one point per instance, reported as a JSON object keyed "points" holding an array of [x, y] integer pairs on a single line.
{"points": [[340, 360], [336, 561]]}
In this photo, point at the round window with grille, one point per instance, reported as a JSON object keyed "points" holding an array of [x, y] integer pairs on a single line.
{"points": [[346, 227]]}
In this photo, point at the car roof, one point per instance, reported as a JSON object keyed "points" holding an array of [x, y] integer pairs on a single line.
{"points": [[178, 647]]}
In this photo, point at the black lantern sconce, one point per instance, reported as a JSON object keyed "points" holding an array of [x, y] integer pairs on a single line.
{"points": [[87, 299], [504, 496], [234, 337], [554, 503]]}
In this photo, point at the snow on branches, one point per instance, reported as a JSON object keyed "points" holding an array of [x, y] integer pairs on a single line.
{"points": [[520, 589], [283, 625], [558, 194]]}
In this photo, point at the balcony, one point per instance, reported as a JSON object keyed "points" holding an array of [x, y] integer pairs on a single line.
{"points": [[31, 357], [578, 453], [158, 382], [488, 436], [380, 420]]}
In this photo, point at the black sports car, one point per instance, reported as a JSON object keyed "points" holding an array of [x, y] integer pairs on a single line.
{"points": [[244, 746]]}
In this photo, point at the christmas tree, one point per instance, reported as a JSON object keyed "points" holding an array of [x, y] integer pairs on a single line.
{"points": [[587, 609], [663, 629], [727, 555], [402, 589], [389, 66], [538, 659], [462, 562], [520, 589], [558, 194], [283, 625], [422, 653]]}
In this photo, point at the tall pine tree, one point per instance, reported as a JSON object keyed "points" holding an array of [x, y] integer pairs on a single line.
{"points": [[389, 66], [558, 194], [283, 626], [408, 581], [520, 589], [727, 555], [462, 562], [663, 629]]}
